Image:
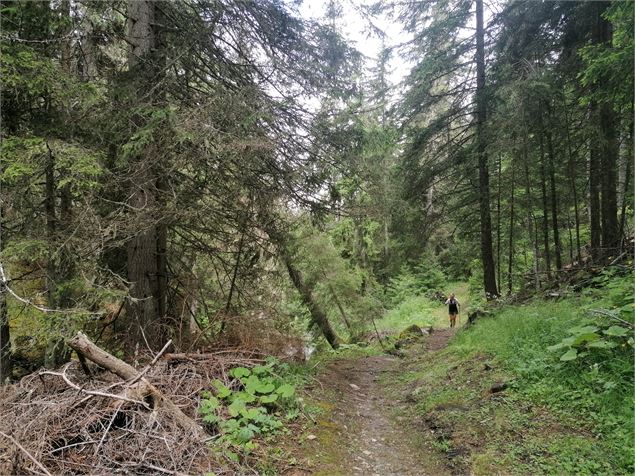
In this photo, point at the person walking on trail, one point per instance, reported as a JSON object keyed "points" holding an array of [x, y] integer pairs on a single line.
{"points": [[453, 309]]}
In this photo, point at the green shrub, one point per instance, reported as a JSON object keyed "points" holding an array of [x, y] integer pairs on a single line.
{"points": [[252, 404], [408, 283]]}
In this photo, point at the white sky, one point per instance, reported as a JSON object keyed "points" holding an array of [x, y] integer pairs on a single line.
{"points": [[355, 28]]}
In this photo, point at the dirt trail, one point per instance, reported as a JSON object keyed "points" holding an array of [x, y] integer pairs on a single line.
{"points": [[365, 431]]}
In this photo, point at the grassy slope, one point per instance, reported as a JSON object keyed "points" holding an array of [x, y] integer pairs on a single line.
{"points": [[556, 417], [421, 311]]}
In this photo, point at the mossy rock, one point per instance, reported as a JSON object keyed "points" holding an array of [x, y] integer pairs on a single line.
{"points": [[410, 332]]}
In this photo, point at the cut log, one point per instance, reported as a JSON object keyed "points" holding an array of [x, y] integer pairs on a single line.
{"points": [[142, 390]]}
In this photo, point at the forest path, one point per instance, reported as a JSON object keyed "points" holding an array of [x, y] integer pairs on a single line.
{"points": [[365, 428]]}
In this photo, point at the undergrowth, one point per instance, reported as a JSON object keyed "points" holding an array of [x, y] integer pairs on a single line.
{"points": [[549, 349]]}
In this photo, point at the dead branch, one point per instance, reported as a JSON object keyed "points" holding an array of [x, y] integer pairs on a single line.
{"points": [[206, 356], [151, 364], [606, 313], [28, 455], [143, 390], [94, 393]]}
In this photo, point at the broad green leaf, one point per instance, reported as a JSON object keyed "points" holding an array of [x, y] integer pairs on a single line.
{"points": [[588, 337], [558, 346], [244, 435], [265, 387], [617, 331], [269, 398], [239, 372], [244, 396], [568, 341], [252, 413], [571, 354], [286, 390], [602, 344], [221, 389], [582, 330], [261, 369], [236, 407], [251, 383]]}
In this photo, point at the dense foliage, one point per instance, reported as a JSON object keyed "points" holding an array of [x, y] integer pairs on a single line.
{"points": [[192, 170]]}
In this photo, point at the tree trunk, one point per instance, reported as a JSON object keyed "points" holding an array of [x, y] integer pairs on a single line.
{"points": [[545, 209], [554, 203], [51, 226], [531, 221], [510, 259], [608, 145], [137, 387], [55, 353], [340, 308], [498, 223], [625, 189], [317, 313], [574, 191], [61, 267], [608, 163], [489, 271], [594, 197], [142, 263], [146, 250], [5, 337]]}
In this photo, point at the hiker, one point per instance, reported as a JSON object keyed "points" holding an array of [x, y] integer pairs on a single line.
{"points": [[453, 308]]}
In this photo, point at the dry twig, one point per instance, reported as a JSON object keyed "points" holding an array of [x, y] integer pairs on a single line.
{"points": [[28, 455]]}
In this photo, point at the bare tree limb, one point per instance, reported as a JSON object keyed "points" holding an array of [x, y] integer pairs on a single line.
{"points": [[29, 455]]}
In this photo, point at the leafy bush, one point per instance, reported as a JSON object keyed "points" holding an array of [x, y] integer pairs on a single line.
{"points": [[592, 341], [415, 282], [251, 405]]}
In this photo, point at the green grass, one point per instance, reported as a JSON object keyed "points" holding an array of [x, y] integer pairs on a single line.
{"points": [[594, 393], [423, 312], [414, 310], [556, 417]]}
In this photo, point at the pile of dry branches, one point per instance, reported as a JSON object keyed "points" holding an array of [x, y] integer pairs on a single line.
{"points": [[69, 422]]}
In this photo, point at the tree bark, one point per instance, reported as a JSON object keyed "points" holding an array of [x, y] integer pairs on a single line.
{"points": [[498, 223], [489, 271], [545, 209], [608, 145], [317, 313], [5, 337], [608, 162], [340, 308], [625, 189], [574, 191], [554, 202], [146, 250], [531, 221], [510, 259], [594, 197]]}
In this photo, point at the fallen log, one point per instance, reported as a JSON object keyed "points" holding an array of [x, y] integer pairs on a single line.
{"points": [[138, 387]]}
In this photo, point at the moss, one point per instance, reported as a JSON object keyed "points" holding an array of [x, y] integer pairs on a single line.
{"points": [[411, 331]]}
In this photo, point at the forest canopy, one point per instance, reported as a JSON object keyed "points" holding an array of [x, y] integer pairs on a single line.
{"points": [[189, 170]]}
